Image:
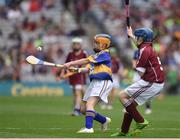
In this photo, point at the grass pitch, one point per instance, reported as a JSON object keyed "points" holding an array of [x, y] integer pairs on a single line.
{"points": [[49, 117]]}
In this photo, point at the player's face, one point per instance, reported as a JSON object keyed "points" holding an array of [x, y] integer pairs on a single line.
{"points": [[97, 46], [76, 46]]}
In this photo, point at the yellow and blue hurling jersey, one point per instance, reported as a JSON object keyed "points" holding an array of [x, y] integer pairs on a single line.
{"points": [[100, 66]]}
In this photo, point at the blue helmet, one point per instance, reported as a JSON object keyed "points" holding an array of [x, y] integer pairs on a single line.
{"points": [[145, 33]]}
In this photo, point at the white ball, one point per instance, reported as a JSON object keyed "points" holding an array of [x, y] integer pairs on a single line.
{"points": [[39, 48]]}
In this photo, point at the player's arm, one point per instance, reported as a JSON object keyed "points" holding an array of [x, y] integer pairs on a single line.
{"points": [[100, 58], [140, 73], [61, 74], [79, 70], [142, 63], [134, 62], [140, 68], [82, 61], [130, 34]]}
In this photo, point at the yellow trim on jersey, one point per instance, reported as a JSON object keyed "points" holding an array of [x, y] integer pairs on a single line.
{"points": [[91, 59], [102, 68], [106, 50]]}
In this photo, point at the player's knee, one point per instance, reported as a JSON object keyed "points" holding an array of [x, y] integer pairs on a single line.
{"points": [[90, 105], [77, 94], [123, 95]]}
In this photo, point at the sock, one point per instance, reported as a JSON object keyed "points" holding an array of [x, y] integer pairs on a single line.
{"points": [[126, 123], [100, 118], [131, 109], [77, 110], [89, 118]]}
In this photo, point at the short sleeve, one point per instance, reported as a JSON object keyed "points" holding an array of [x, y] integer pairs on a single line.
{"points": [[142, 61], [100, 57], [68, 59], [136, 55], [85, 54]]}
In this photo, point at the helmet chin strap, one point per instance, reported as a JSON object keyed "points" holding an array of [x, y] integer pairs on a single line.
{"points": [[140, 44], [75, 50], [96, 50]]}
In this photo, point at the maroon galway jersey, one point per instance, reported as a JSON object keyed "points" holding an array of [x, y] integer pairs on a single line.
{"points": [[79, 78], [115, 64], [150, 64]]}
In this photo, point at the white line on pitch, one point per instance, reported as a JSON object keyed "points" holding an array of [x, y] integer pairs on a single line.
{"points": [[56, 128]]}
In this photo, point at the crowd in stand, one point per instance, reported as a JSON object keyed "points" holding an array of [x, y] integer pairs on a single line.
{"points": [[25, 22], [55, 22]]}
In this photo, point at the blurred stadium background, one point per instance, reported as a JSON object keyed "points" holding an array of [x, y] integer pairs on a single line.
{"points": [[53, 23]]}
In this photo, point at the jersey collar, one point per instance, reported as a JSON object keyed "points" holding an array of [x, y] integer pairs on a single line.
{"points": [[145, 44]]}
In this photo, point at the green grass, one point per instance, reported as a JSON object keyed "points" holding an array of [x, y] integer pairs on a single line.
{"points": [[50, 117]]}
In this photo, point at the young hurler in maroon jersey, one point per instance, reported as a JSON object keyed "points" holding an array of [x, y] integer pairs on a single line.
{"points": [[78, 80], [151, 82]]}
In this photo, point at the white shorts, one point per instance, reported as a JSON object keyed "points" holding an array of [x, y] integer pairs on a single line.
{"points": [[141, 91], [78, 86], [100, 88], [136, 77]]}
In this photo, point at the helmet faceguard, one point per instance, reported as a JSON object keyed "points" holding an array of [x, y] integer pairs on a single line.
{"points": [[103, 39]]}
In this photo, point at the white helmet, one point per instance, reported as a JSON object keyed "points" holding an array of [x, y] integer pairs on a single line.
{"points": [[76, 40]]}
